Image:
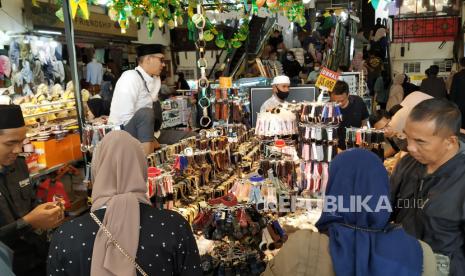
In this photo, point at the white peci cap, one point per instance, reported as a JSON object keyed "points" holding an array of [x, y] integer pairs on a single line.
{"points": [[281, 80]]}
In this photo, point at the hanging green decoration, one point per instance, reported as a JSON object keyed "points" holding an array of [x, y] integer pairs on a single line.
{"points": [[254, 7], [191, 30], [208, 36], [60, 15], [150, 26], [171, 12], [236, 44], [220, 42]]}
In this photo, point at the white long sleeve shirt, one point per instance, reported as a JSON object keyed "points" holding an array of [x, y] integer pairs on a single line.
{"points": [[271, 103], [131, 95]]}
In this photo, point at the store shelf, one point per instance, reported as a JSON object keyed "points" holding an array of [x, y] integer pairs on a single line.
{"points": [[47, 104], [49, 112]]}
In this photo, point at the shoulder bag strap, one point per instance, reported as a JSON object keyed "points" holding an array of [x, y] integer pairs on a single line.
{"points": [[145, 83], [115, 243]]}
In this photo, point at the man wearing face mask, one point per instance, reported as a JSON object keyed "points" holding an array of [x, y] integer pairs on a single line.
{"points": [[427, 186], [280, 87]]}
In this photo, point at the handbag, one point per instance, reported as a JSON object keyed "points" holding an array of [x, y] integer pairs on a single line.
{"points": [[117, 245]]}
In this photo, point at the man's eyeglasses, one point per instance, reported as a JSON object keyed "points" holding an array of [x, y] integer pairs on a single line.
{"points": [[162, 59]]}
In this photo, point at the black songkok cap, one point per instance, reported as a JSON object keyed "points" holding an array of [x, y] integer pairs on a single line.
{"points": [[149, 49], [11, 116]]}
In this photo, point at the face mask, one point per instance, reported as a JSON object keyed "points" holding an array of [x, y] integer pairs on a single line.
{"points": [[291, 58], [317, 68], [282, 95]]}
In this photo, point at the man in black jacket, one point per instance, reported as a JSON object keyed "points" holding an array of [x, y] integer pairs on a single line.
{"points": [[457, 90], [427, 185], [20, 219]]}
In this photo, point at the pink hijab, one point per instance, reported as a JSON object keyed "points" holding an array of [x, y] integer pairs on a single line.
{"points": [[119, 170]]}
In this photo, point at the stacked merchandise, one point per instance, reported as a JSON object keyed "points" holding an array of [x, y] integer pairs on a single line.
{"points": [[277, 129], [277, 122], [222, 104], [50, 115], [31, 62], [48, 104], [206, 179], [318, 144], [229, 106]]}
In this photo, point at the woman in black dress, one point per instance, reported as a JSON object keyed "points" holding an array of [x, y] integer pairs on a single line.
{"points": [[161, 240]]}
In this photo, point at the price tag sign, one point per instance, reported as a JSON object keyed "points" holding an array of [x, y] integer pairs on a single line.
{"points": [[225, 82], [327, 79]]}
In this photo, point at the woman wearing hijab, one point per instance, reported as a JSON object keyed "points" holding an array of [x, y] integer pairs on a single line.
{"points": [[379, 43], [355, 242], [396, 93], [160, 241], [397, 123]]}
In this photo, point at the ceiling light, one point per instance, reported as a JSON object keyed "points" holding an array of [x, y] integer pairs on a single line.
{"points": [[49, 32]]}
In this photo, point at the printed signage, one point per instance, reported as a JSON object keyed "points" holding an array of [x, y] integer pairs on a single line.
{"points": [[327, 79]]}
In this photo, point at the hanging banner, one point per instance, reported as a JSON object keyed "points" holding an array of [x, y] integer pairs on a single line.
{"points": [[327, 79], [225, 82]]}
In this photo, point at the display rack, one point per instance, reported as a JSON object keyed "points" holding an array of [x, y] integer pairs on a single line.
{"points": [[48, 104], [48, 112]]}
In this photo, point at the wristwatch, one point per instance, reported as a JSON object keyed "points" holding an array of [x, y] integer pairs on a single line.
{"points": [[21, 224]]}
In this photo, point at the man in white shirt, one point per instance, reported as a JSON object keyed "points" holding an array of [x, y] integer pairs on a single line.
{"points": [[280, 86], [136, 95]]}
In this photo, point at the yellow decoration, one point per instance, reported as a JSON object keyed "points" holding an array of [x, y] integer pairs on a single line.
{"points": [[82, 5], [171, 24], [160, 23]]}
